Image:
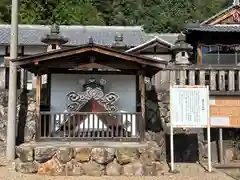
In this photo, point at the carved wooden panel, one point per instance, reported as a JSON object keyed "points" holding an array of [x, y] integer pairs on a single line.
{"points": [[228, 20], [232, 17]]}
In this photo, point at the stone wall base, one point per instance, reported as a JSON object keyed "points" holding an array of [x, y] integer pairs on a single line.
{"points": [[143, 160]]}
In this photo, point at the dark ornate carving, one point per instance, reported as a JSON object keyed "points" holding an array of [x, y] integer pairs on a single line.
{"points": [[108, 101], [92, 90]]}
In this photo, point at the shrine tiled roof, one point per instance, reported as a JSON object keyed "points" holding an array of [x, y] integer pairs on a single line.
{"points": [[212, 28], [78, 35]]}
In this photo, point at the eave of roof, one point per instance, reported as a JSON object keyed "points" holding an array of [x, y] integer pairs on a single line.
{"points": [[213, 28], [150, 65], [75, 48], [155, 39]]}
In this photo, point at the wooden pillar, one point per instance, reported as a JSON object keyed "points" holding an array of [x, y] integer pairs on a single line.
{"points": [[38, 102], [24, 77], [142, 88], [199, 55]]}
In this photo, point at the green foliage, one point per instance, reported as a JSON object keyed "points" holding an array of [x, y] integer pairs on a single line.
{"points": [[66, 12], [154, 15], [5, 8]]}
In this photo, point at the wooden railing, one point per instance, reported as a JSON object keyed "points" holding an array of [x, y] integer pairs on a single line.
{"points": [[222, 80], [90, 126]]}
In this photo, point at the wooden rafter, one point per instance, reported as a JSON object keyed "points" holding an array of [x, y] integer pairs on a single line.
{"points": [[222, 18]]}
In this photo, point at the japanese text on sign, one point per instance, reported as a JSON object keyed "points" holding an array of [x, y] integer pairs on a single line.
{"points": [[189, 106]]}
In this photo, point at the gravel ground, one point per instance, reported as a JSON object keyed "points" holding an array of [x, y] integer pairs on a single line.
{"points": [[187, 172]]}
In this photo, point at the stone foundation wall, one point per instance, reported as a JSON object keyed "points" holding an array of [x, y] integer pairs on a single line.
{"points": [[26, 116], [93, 161]]}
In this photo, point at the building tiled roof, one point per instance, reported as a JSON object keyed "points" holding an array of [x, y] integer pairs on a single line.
{"points": [[213, 28], [169, 37], [156, 39], [78, 35]]}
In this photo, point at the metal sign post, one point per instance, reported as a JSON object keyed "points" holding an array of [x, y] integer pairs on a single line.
{"points": [[189, 108], [12, 93], [209, 146], [171, 148]]}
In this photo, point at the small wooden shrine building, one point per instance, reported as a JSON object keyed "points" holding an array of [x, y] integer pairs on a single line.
{"points": [[91, 93]]}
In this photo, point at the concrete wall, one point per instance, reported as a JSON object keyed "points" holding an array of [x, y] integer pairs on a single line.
{"points": [[123, 85], [225, 110]]}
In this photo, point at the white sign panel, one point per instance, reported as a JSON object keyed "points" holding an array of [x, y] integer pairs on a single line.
{"points": [[189, 106], [220, 121]]}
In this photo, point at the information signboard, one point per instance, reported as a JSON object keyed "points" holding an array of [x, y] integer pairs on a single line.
{"points": [[189, 106]]}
